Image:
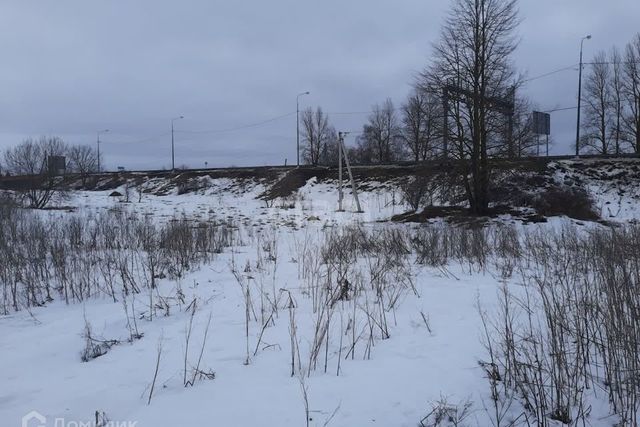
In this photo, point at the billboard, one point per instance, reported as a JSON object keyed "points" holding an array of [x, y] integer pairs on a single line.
{"points": [[541, 123], [56, 165]]}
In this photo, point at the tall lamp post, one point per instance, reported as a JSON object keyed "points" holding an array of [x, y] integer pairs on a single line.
{"points": [[298, 125], [587, 37], [173, 152], [98, 144]]}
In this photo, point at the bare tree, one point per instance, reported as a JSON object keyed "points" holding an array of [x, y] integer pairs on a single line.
{"points": [[329, 150], [316, 132], [524, 138], [420, 115], [632, 90], [30, 160], [83, 160], [362, 153], [30, 157], [598, 104], [473, 57], [381, 135]]}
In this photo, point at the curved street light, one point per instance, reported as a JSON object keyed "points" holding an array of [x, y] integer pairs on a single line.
{"points": [[98, 143]]}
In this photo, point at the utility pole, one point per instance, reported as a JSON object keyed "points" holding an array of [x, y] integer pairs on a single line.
{"points": [[298, 125], [547, 145], [340, 137], [173, 153], [98, 143], [587, 37], [342, 150]]}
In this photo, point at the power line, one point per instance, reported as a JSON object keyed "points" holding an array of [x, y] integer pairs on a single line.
{"points": [[141, 141], [251, 125], [560, 109], [559, 70], [574, 66], [248, 126], [611, 63], [273, 119], [609, 103], [352, 112]]}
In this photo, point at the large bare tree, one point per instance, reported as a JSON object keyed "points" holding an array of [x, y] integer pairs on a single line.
{"points": [[632, 91], [381, 135], [29, 159], [317, 133], [473, 56], [30, 156], [599, 103], [420, 123], [83, 160]]}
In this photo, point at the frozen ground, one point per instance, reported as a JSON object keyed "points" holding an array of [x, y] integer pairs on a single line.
{"points": [[41, 368], [432, 352]]}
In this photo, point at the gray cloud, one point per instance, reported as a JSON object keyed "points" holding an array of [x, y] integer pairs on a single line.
{"points": [[73, 67]]}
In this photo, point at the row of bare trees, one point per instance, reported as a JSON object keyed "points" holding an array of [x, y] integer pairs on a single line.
{"points": [[612, 98], [464, 107], [416, 130], [30, 156], [412, 132], [30, 160]]}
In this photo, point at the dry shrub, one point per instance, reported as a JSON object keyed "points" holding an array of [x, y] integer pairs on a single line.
{"points": [[571, 334], [191, 185], [110, 254], [574, 202]]}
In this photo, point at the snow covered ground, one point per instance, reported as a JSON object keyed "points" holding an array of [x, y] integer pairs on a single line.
{"points": [[41, 368], [612, 184], [431, 352]]}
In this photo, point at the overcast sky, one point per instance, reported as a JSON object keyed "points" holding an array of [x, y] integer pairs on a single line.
{"points": [[70, 68]]}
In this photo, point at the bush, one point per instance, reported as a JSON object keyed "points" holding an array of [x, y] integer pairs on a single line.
{"points": [[574, 202], [190, 186]]}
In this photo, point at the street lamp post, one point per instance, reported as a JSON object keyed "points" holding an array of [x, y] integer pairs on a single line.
{"points": [[173, 152], [98, 143], [298, 125], [587, 37]]}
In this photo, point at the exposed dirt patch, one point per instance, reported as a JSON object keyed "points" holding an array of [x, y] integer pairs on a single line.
{"points": [[462, 215], [294, 180]]}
